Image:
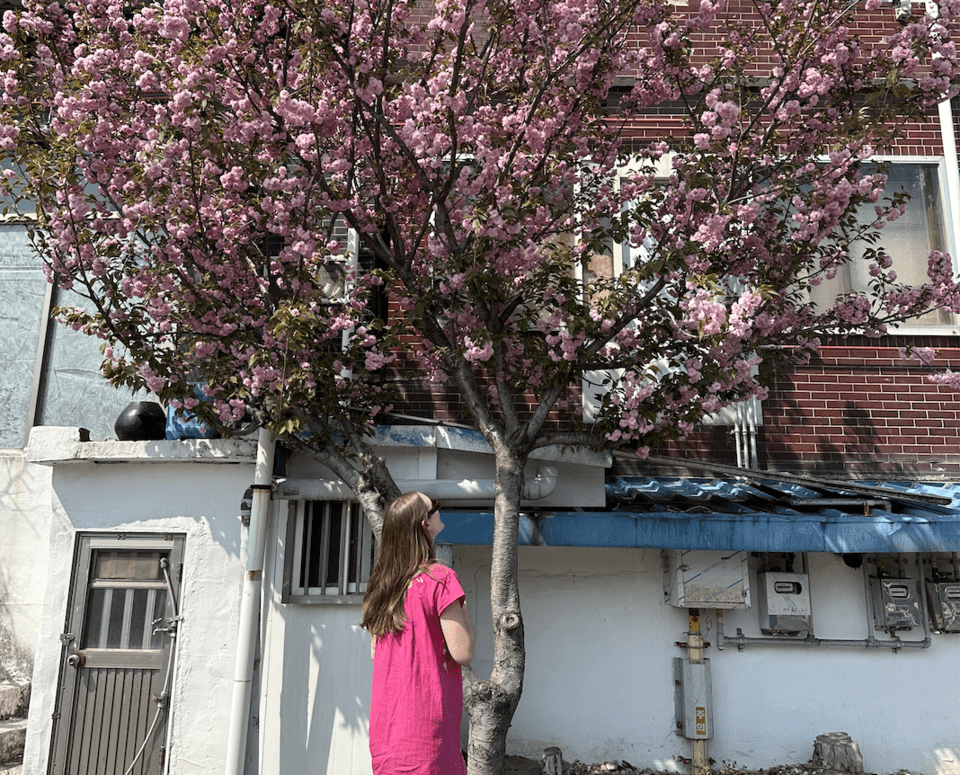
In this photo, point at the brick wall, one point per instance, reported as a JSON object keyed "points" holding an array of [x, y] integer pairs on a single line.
{"points": [[857, 408]]}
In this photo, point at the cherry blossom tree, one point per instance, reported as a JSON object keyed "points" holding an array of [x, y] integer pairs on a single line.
{"points": [[205, 172]]}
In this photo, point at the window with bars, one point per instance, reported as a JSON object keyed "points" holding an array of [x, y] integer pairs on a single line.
{"points": [[127, 594], [330, 555]]}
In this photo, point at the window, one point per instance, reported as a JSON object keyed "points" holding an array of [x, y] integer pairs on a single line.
{"points": [[127, 596], [908, 240], [331, 552]]}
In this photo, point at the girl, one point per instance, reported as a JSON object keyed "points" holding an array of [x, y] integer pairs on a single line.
{"points": [[421, 634]]}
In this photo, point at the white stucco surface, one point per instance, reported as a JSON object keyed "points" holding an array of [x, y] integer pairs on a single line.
{"points": [[24, 525], [203, 504], [599, 678], [600, 639], [599, 684], [315, 698]]}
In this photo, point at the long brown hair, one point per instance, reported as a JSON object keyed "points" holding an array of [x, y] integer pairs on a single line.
{"points": [[405, 548]]}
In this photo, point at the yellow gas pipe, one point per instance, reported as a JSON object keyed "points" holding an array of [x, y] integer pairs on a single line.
{"points": [[695, 652]]}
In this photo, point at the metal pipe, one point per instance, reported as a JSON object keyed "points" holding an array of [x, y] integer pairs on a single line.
{"points": [[738, 423], [924, 617], [174, 631], [740, 641], [698, 746], [753, 412], [250, 606], [534, 488], [165, 698]]}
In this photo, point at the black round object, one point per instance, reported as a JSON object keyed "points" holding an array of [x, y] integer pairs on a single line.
{"points": [[141, 421]]}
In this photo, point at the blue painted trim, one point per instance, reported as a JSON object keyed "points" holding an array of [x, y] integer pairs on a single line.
{"points": [[755, 532]]}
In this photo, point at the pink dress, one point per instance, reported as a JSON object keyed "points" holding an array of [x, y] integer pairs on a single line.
{"points": [[417, 697]]}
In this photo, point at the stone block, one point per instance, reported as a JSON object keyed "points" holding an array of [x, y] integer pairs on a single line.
{"points": [[13, 736], [14, 700], [836, 752]]}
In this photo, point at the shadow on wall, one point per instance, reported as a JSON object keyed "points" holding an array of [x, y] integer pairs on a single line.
{"points": [[157, 497], [325, 698], [854, 445], [22, 563]]}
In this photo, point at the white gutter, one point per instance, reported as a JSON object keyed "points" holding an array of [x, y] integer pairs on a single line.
{"points": [[537, 488], [250, 606]]}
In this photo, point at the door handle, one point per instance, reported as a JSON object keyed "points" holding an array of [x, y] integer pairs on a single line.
{"points": [[76, 660]]}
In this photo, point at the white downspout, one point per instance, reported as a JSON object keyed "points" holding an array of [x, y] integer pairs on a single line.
{"points": [[250, 606]]}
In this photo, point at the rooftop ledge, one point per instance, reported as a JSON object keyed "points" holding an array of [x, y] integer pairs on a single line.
{"points": [[51, 445], [54, 445]]}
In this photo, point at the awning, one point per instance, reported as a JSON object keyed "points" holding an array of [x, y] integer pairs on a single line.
{"points": [[758, 516]]}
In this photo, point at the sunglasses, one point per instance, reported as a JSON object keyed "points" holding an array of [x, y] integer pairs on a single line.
{"points": [[434, 507]]}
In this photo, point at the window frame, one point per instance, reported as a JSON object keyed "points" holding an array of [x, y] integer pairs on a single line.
{"points": [[300, 515], [950, 237]]}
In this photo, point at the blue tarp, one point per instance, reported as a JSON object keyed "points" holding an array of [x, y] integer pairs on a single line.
{"points": [[737, 523]]}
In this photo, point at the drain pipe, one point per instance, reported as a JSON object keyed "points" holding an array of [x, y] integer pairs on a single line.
{"points": [[250, 606], [698, 745]]}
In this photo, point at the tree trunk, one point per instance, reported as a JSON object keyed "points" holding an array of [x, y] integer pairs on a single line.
{"points": [[490, 704]]}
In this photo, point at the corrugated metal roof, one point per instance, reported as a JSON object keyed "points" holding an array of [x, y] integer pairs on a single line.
{"points": [[756, 515]]}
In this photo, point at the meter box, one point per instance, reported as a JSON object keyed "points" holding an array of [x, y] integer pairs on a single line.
{"points": [[783, 602], [895, 604], [693, 698], [698, 578], [943, 600]]}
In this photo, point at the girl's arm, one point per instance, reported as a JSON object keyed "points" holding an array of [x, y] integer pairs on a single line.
{"points": [[458, 632]]}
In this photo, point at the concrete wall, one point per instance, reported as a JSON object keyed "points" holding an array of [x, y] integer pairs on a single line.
{"points": [[24, 528], [599, 681], [600, 644], [201, 501], [599, 684], [315, 684]]}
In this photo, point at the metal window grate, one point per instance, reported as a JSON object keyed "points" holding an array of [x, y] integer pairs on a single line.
{"points": [[333, 549], [126, 595]]}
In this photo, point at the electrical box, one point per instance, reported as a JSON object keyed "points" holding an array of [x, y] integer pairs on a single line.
{"points": [[707, 579], [693, 698], [895, 604], [783, 601], [943, 600]]}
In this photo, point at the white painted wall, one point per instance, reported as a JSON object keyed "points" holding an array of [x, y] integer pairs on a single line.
{"points": [[600, 645], [200, 501], [24, 525], [315, 685], [599, 682]]}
